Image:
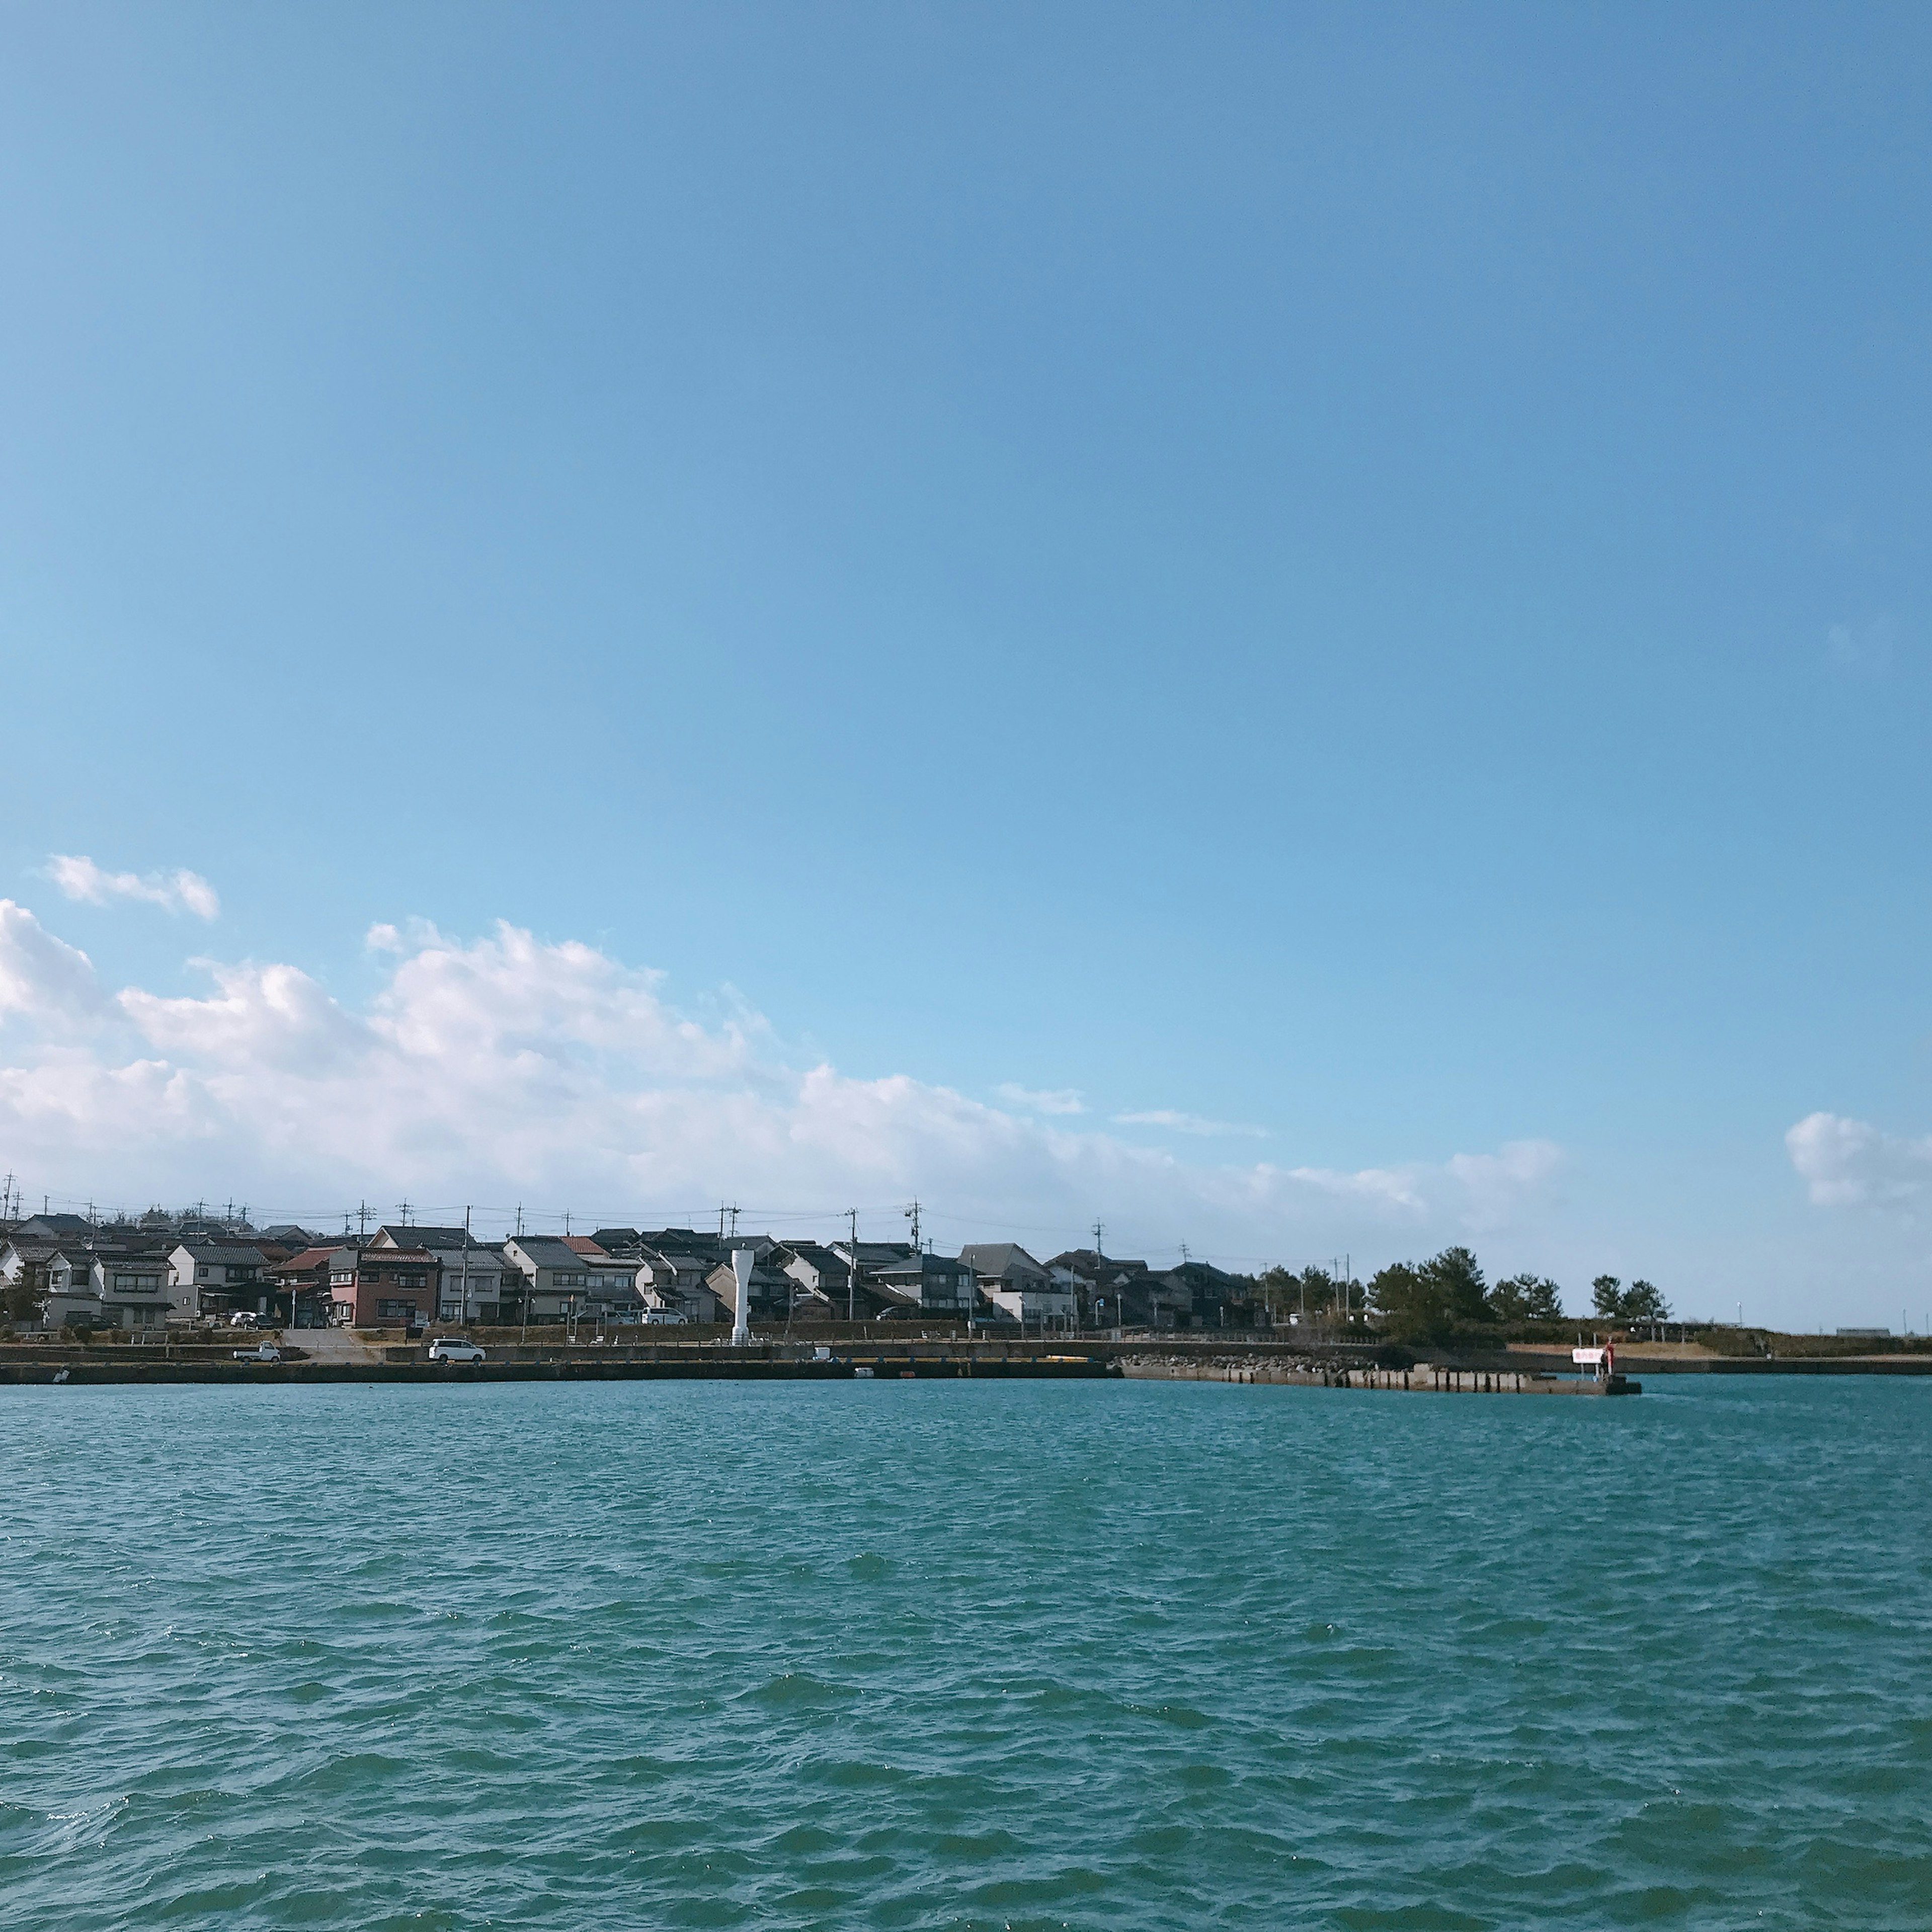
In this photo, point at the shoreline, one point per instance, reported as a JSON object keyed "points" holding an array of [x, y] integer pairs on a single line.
{"points": [[343, 1357]]}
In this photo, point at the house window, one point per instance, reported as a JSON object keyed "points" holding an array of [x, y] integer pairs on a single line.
{"points": [[395, 1311]]}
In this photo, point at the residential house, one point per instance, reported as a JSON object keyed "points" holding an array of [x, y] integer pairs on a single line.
{"points": [[131, 1285], [57, 1228], [818, 1269], [776, 1296], [610, 1288], [673, 1266], [1017, 1285], [70, 1298], [383, 1288], [218, 1277], [299, 1288], [932, 1284], [471, 1270], [1199, 1295], [559, 1279], [1113, 1293], [23, 1266]]}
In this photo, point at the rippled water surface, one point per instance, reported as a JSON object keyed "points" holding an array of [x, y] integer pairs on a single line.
{"points": [[965, 1654]]}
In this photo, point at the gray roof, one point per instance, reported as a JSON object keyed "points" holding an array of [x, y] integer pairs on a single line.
{"points": [[547, 1251], [996, 1257], [411, 1236]]}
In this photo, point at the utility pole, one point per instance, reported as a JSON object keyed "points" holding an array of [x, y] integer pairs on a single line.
{"points": [[852, 1272], [403, 1211], [1099, 1253], [566, 1224], [520, 1220], [912, 1215], [733, 1211], [463, 1312], [362, 1221]]}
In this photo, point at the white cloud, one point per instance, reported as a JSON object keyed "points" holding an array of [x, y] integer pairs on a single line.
{"points": [[506, 1068], [1496, 1183], [1051, 1100], [1184, 1123], [80, 878], [40, 975], [1846, 1163]]}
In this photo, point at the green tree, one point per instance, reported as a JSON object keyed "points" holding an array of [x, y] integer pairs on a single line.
{"points": [[1428, 1301], [1456, 1278], [1408, 1305], [22, 1302], [1313, 1289], [1526, 1297], [1606, 1297], [1643, 1303]]}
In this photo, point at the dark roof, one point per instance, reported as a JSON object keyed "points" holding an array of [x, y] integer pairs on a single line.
{"points": [[924, 1264], [996, 1257], [547, 1251], [404, 1234], [218, 1251], [872, 1253], [1085, 1260], [820, 1257], [683, 1240], [56, 1225]]}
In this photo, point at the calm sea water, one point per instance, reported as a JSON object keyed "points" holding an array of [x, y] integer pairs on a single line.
{"points": [[908, 1654]]}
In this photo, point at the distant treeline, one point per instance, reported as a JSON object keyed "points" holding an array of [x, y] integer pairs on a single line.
{"points": [[1430, 1300]]}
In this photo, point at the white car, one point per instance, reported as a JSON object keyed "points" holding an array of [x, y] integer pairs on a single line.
{"points": [[262, 1352], [244, 1320], [454, 1349]]}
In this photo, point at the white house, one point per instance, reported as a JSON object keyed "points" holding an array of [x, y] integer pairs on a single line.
{"points": [[211, 1277], [1019, 1286]]}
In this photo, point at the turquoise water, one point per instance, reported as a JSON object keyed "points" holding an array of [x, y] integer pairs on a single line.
{"points": [[965, 1654]]}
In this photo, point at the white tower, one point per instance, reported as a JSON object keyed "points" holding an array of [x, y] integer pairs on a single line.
{"points": [[741, 1322]]}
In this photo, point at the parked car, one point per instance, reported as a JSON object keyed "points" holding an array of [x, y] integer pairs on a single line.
{"points": [[244, 1319], [262, 1352], [454, 1349]]}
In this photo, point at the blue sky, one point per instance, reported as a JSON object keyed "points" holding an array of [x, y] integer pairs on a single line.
{"points": [[1357, 576]]}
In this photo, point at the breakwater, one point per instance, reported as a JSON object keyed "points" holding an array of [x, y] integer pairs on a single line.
{"points": [[339, 1359]]}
